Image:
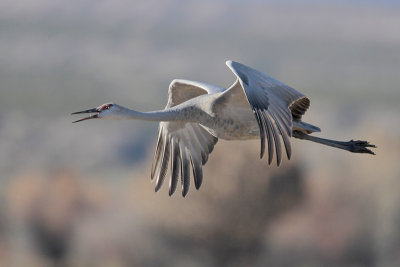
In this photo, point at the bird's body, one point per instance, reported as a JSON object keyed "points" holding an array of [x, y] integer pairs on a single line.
{"points": [[230, 123], [228, 119], [256, 106]]}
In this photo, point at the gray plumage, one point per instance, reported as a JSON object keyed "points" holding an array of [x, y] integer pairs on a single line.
{"points": [[197, 114]]}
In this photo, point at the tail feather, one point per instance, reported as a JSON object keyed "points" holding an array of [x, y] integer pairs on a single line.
{"points": [[305, 127]]}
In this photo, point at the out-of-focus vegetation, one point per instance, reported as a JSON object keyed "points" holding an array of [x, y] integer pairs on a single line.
{"points": [[79, 194]]}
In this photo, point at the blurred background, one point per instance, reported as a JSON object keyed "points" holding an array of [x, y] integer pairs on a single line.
{"points": [[80, 194]]}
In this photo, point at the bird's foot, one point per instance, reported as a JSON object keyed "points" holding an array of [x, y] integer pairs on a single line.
{"points": [[359, 146]]}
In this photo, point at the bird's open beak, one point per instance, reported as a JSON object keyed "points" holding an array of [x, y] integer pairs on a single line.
{"points": [[93, 116]]}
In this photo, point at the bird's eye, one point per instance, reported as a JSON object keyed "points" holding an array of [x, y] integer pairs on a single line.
{"points": [[107, 107]]}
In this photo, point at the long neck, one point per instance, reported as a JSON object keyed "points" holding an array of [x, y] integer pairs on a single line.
{"points": [[159, 115]]}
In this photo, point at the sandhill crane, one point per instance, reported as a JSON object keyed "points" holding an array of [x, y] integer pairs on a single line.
{"points": [[197, 114]]}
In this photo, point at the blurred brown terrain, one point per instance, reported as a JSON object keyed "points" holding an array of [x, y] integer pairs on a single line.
{"points": [[80, 195]]}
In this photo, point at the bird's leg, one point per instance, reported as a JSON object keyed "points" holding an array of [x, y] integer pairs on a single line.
{"points": [[352, 146]]}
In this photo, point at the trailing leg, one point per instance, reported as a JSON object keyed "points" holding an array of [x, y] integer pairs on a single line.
{"points": [[352, 146]]}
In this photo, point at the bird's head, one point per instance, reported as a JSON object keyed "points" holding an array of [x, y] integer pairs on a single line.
{"points": [[105, 111]]}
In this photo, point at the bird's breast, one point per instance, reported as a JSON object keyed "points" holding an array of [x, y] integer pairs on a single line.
{"points": [[233, 124]]}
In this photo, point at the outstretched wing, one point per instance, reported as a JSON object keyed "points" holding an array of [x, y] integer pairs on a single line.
{"points": [[182, 144], [274, 104]]}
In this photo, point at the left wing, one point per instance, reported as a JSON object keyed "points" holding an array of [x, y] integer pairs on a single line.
{"points": [[185, 145]]}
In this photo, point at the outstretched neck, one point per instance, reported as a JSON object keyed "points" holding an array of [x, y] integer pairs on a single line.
{"points": [[159, 115]]}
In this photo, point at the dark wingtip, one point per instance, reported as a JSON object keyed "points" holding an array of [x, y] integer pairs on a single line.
{"points": [[278, 163], [197, 185], [262, 131]]}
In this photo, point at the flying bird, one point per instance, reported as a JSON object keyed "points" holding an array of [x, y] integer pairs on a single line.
{"points": [[197, 114]]}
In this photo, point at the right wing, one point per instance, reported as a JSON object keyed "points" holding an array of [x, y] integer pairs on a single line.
{"points": [[184, 144], [275, 105]]}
